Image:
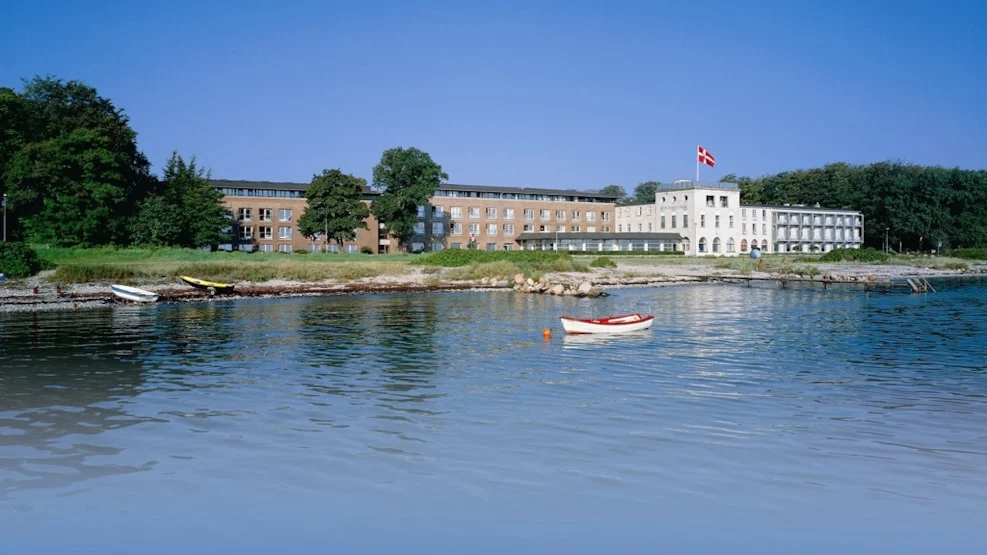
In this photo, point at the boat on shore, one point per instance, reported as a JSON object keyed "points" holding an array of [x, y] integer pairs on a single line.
{"points": [[216, 286], [612, 324], [134, 294]]}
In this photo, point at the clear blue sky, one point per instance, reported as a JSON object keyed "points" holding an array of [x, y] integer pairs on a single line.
{"points": [[571, 95]]}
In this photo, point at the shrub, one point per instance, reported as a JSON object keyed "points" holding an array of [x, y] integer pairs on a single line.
{"points": [[366, 250], [452, 258], [603, 262], [854, 255], [956, 266], [970, 254], [17, 260]]}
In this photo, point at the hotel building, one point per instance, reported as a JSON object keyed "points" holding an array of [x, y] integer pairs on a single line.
{"points": [[712, 222]]}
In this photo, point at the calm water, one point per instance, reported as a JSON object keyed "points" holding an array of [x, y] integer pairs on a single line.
{"points": [[747, 420]]}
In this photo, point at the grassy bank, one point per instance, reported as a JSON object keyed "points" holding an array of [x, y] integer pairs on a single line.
{"points": [[151, 265]]}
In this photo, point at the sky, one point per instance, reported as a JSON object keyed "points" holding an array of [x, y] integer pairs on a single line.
{"points": [[575, 95]]}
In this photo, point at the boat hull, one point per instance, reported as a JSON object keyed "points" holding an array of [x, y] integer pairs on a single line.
{"points": [[133, 294], [207, 285], [616, 324]]}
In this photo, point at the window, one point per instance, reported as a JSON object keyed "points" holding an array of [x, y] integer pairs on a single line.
{"points": [[673, 222], [649, 227], [764, 229], [560, 215], [743, 245], [702, 244], [265, 232], [709, 201], [420, 228], [764, 214], [529, 214], [421, 214], [284, 248], [315, 248], [474, 229], [560, 228], [491, 246], [591, 229], [639, 226], [575, 229], [491, 229], [333, 248], [474, 211], [456, 211], [508, 229], [438, 228], [457, 228], [605, 216], [243, 214], [591, 216], [723, 202], [284, 232], [508, 213], [455, 245], [266, 214], [528, 227], [716, 244], [246, 232], [743, 215], [284, 215], [266, 248], [350, 249], [491, 213], [716, 221], [685, 220], [544, 228], [702, 220], [606, 229], [730, 245], [731, 221], [546, 214], [575, 215], [508, 246], [438, 211]]}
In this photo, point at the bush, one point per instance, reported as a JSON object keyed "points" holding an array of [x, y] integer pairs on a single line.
{"points": [[854, 255], [603, 262], [366, 250], [17, 260], [452, 258], [970, 254]]}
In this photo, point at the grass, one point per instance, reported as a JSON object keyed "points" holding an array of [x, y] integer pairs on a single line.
{"points": [[165, 264]]}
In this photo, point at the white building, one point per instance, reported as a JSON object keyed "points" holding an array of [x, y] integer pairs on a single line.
{"points": [[712, 222]]}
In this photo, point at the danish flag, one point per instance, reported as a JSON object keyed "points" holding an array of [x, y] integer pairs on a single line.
{"points": [[706, 158]]}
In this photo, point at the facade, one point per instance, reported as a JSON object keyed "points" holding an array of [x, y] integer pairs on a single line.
{"points": [[494, 218], [266, 216], [636, 218], [712, 222], [601, 242]]}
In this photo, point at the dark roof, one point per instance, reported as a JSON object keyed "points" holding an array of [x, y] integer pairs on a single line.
{"points": [[526, 190], [800, 208], [597, 235], [274, 185]]}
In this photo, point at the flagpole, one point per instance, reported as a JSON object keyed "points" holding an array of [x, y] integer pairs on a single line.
{"points": [[697, 165]]}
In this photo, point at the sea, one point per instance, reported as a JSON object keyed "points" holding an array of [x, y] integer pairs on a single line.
{"points": [[754, 419]]}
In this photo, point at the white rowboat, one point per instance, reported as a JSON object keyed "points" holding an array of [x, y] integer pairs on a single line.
{"points": [[613, 324], [133, 294]]}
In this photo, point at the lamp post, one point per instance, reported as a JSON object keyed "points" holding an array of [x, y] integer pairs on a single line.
{"points": [[886, 238], [5, 217]]}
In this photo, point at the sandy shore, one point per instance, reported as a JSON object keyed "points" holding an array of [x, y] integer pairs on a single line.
{"points": [[39, 293]]}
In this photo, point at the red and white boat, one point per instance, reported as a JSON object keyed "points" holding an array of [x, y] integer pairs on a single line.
{"points": [[613, 324]]}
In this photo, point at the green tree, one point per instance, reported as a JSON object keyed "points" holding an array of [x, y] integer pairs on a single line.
{"points": [[335, 207], [645, 192], [409, 179], [617, 191], [187, 212]]}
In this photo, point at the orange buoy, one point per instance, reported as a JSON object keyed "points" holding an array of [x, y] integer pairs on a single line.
{"points": [[546, 333]]}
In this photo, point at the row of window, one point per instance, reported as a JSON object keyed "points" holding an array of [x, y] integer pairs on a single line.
{"points": [[517, 196], [456, 228], [473, 212], [263, 214], [276, 193], [265, 232]]}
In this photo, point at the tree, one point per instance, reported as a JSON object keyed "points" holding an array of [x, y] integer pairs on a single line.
{"points": [[409, 179], [644, 193], [335, 207], [617, 191], [187, 212]]}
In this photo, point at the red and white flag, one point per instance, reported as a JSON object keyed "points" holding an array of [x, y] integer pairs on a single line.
{"points": [[706, 158]]}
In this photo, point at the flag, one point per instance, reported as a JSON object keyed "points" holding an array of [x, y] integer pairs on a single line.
{"points": [[706, 158]]}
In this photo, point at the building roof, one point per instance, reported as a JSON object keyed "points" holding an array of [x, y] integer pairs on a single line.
{"points": [[527, 191], [688, 184], [272, 185], [597, 235], [800, 208]]}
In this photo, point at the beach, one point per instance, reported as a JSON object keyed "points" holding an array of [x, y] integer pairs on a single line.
{"points": [[41, 293]]}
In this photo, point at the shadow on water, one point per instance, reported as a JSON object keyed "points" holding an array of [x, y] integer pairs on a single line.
{"points": [[63, 380]]}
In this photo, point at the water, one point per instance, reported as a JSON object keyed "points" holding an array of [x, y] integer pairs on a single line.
{"points": [[747, 419]]}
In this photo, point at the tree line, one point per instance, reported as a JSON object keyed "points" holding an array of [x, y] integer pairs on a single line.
{"points": [[72, 175]]}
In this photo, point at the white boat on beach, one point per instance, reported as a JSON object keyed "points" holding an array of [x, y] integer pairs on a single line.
{"points": [[134, 294]]}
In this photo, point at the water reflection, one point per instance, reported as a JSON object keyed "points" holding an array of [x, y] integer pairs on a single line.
{"points": [[63, 382]]}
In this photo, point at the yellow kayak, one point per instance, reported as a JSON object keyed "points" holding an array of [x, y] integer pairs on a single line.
{"points": [[203, 284]]}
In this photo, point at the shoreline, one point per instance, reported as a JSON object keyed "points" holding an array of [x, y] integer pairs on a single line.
{"points": [[21, 296]]}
